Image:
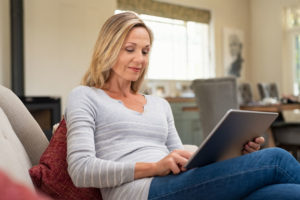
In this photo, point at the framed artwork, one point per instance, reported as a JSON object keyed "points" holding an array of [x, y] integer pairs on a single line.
{"points": [[233, 52]]}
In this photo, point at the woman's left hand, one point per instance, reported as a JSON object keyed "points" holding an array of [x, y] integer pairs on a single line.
{"points": [[254, 145]]}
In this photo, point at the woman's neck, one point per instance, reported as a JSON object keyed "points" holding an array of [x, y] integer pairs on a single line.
{"points": [[120, 88]]}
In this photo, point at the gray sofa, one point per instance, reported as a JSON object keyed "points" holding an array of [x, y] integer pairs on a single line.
{"points": [[22, 141]]}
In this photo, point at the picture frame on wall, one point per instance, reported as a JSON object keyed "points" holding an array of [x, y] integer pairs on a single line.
{"points": [[233, 51]]}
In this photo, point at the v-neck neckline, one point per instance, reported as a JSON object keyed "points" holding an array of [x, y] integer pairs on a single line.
{"points": [[121, 102]]}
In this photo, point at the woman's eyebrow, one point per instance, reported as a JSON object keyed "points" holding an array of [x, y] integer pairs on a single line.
{"points": [[130, 43]]}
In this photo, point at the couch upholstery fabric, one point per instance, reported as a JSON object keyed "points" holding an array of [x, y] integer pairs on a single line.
{"points": [[14, 159], [24, 125]]}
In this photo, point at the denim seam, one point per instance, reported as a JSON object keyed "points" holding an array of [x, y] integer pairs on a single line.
{"points": [[216, 179], [286, 174]]}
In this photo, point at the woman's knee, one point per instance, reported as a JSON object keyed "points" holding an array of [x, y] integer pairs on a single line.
{"points": [[276, 191], [276, 153]]}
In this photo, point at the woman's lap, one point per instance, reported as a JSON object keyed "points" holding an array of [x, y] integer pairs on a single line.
{"points": [[230, 179]]}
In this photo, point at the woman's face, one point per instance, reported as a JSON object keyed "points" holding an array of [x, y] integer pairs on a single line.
{"points": [[134, 55]]}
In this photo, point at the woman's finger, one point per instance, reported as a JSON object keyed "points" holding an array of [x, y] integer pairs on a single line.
{"points": [[184, 153], [249, 149], [259, 140], [254, 145]]}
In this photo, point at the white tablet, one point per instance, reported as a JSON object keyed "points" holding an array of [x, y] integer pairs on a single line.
{"points": [[229, 136]]}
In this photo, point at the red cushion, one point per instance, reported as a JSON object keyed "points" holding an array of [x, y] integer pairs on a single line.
{"points": [[51, 175], [11, 190]]}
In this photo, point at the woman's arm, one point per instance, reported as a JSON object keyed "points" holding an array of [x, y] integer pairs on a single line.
{"points": [[85, 169]]}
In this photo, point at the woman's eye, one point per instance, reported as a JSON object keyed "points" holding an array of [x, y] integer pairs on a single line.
{"points": [[129, 50], [145, 52]]}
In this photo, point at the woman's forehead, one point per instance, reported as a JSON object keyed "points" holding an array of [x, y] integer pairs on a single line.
{"points": [[138, 35]]}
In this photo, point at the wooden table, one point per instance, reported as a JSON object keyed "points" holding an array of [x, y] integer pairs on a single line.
{"points": [[271, 108], [265, 108]]}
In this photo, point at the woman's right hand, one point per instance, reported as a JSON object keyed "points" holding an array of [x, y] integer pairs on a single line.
{"points": [[174, 162]]}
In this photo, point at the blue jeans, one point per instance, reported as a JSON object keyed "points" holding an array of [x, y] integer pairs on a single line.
{"points": [[271, 173]]}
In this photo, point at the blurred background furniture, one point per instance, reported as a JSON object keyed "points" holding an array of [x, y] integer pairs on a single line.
{"points": [[268, 90], [214, 97], [245, 94], [287, 136], [286, 133], [186, 120]]}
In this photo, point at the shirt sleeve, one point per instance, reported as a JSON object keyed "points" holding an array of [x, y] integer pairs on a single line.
{"points": [[173, 139], [85, 169]]}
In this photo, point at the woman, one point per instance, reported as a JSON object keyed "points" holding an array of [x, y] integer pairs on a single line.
{"points": [[126, 144]]}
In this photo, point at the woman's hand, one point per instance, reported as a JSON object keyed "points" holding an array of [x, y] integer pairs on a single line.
{"points": [[173, 162], [253, 146]]}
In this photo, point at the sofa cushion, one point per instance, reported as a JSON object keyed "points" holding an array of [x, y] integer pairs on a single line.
{"points": [[24, 125], [51, 175], [13, 158], [10, 189]]}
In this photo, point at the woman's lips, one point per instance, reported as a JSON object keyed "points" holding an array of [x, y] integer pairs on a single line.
{"points": [[135, 69]]}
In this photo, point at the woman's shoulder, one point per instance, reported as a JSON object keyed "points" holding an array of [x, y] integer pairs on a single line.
{"points": [[83, 90], [157, 99], [85, 96]]}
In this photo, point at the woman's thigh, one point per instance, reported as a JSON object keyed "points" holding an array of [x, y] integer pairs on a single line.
{"points": [[230, 179]]}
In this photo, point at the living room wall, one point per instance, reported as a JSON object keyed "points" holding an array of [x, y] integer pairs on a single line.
{"points": [[270, 54], [59, 37]]}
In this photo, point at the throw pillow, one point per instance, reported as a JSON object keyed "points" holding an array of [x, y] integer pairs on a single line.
{"points": [[10, 189], [51, 175]]}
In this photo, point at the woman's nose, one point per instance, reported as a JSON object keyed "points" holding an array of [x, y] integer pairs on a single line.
{"points": [[139, 57]]}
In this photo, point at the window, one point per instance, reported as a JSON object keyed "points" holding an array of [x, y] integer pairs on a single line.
{"points": [[293, 29], [297, 64], [180, 49]]}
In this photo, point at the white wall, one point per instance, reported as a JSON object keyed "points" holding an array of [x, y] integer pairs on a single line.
{"points": [[270, 53], [59, 38], [4, 43]]}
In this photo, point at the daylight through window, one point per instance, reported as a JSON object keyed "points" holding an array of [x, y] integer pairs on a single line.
{"points": [[180, 49]]}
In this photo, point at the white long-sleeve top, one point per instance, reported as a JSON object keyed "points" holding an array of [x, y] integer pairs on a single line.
{"points": [[105, 139]]}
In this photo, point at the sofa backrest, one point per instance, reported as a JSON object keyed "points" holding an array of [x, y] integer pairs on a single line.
{"points": [[24, 125], [13, 156]]}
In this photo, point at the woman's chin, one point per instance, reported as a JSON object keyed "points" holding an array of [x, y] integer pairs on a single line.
{"points": [[134, 78]]}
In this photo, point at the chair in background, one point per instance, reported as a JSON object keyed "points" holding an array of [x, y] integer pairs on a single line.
{"points": [[214, 97], [286, 134], [245, 94], [268, 90]]}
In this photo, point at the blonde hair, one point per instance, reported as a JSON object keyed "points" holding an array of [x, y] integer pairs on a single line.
{"points": [[108, 45]]}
